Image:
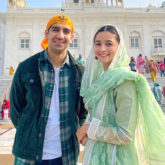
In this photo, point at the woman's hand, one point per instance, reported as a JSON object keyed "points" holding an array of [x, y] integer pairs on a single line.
{"points": [[82, 133]]}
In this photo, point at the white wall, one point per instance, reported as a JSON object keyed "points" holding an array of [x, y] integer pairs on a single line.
{"points": [[2, 38], [33, 21]]}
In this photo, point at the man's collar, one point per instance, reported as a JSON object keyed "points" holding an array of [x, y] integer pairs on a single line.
{"points": [[44, 57]]}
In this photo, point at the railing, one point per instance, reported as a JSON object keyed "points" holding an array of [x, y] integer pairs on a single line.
{"points": [[5, 94], [90, 4], [158, 51]]}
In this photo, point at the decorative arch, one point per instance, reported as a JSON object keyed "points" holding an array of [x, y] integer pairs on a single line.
{"points": [[24, 34], [134, 33], [158, 33]]}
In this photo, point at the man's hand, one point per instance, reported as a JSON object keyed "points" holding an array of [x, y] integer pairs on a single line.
{"points": [[82, 133], [84, 140]]}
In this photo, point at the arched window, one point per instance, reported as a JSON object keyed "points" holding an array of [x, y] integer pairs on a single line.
{"points": [[75, 41], [134, 40], [24, 40], [158, 38]]}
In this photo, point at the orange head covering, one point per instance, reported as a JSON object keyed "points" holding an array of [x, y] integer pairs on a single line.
{"points": [[61, 19]]}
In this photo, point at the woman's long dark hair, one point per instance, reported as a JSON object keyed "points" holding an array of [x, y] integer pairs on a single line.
{"points": [[108, 28]]}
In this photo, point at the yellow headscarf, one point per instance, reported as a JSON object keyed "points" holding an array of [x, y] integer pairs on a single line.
{"points": [[151, 62], [61, 19]]}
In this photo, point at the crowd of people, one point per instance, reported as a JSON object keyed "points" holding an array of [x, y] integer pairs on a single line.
{"points": [[57, 104], [145, 65]]}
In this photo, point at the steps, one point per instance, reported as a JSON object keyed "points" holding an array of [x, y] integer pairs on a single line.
{"points": [[6, 80], [159, 79], [4, 83]]}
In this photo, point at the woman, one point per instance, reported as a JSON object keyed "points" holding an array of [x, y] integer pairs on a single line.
{"points": [[132, 64], [140, 64], [126, 125], [11, 71], [153, 70]]}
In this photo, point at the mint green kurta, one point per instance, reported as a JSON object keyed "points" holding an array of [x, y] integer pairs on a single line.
{"points": [[120, 102], [116, 131]]}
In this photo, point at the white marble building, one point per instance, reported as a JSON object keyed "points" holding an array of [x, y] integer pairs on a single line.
{"points": [[2, 41], [143, 28]]}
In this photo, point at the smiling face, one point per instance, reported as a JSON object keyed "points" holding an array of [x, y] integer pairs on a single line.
{"points": [[59, 37], [105, 47]]}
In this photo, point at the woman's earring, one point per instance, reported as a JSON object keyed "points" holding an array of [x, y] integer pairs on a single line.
{"points": [[96, 58]]}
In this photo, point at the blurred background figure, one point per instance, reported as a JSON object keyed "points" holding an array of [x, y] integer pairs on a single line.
{"points": [[158, 93], [140, 64], [79, 59], [74, 56], [162, 68], [146, 66], [5, 109], [132, 64], [1, 113], [163, 91], [11, 70], [153, 69]]}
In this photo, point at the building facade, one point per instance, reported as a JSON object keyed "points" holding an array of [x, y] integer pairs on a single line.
{"points": [[143, 28], [2, 41]]}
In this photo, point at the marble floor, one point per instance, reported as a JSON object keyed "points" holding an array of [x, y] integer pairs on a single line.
{"points": [[7, 134]]}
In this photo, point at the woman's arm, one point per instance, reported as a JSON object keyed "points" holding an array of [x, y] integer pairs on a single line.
{"points": [[126, 118]]}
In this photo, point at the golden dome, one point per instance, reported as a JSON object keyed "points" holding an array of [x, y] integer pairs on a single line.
{"points": [[150, 6]]}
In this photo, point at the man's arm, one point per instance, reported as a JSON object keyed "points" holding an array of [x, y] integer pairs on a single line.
{"points": [[81, 108], [17, 97], [83, 112]]}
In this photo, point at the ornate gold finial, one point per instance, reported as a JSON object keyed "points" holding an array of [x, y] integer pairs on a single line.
{"points": [[63, 18], [150, 6], [17, 3]]}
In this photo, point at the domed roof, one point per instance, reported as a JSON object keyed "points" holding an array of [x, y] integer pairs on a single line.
{"points": [[150, 6]]}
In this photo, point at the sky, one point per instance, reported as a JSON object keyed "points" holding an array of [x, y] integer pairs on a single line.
{"points": [[57, 3]]}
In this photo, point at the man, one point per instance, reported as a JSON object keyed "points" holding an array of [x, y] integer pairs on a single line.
{"points": [[79, 59], [46, 107]]}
